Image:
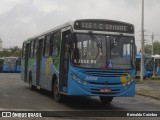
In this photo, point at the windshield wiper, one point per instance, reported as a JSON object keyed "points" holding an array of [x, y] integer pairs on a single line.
{"points": [[99, 45], [95, 39], [115, 43]]}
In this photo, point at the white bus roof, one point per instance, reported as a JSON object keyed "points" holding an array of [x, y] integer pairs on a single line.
{"points": [[156, 56], [71, 23]]}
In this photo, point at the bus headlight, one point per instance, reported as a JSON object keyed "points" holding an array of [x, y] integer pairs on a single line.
{"points": [[74, 76], [78, 80], [129, 83]]}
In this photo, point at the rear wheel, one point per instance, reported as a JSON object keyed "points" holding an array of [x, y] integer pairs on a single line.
{"points": [[30, 82], [57, 96], [105, 99]]}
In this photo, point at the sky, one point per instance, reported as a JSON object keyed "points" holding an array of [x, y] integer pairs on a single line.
{"points": [[21, 19]]}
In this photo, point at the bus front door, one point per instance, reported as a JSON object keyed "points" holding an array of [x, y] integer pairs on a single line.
{"points": [[39, 61], [63, 77]]}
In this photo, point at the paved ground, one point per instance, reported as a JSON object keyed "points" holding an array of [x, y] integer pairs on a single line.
{"points": [[16, 95], [149, 88]]}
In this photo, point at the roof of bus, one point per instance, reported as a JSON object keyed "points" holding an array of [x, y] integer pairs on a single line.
{"points": [[10, 57], [51, 30], [70, 23], [156, 56], [138, 55]]}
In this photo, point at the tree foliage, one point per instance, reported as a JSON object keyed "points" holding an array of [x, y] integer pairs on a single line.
{"points": [[156, 48], [148, 49], [13, 51]]}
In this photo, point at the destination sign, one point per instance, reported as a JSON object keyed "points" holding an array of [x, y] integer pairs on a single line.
{"points": [[104, 25]]}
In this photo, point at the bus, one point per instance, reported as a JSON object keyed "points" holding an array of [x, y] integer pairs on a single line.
{"points": [[1, 64], [148, 65], [18, 65], [156, 63], [9, 64], [86, 57]]}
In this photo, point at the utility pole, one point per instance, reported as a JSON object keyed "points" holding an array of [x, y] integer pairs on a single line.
{"points": [[142, 44], [152, 42]]}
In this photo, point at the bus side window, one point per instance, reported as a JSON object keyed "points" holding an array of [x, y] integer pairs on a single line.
{"points": [[35, 48], [23, 52], [55, 44], [32, 48], [46, 46]]}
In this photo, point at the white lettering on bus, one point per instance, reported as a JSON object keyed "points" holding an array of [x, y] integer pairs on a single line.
{"points": [[104, 26], [85, 61]]}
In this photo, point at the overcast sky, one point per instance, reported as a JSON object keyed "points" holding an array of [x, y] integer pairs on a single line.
{"points": [[21, 19]]}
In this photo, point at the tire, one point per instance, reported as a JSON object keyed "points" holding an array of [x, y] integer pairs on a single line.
{"points": [[105, 99], [30, 82], [58, 97]]}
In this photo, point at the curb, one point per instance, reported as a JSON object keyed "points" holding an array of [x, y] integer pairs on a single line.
{"points": [[147, 96]]}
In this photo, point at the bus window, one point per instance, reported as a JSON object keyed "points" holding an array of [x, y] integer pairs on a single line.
{"points": [[46, 46], [32, 49], [55, 44], [35, 48], [23, 53]]}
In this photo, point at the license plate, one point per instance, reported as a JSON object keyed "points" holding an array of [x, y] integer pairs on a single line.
{"points": [[105, 90]]}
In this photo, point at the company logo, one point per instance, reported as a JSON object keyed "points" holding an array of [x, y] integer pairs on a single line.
{"points": [[21, 114], [91, 78], [6, 114], [106, 83]]}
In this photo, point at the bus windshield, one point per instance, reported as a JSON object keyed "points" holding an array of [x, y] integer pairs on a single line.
{"points": [[149, 63], [97, 51], [18, 61], [10, 61]]}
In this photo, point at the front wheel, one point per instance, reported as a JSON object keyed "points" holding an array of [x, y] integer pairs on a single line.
{"points": [[106, 99], [57, 96]]}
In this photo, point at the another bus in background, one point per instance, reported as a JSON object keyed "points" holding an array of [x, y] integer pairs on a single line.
{"points": [[18, 64], [9, 64], [1, 64], [156, 71], [148, 65]]}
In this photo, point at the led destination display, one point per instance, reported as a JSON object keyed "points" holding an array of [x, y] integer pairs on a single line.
{"points": [[104, 25]]}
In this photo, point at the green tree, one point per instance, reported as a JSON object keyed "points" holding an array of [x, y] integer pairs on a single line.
{"points": [[148, 49], [13, 51], [156, 48]]}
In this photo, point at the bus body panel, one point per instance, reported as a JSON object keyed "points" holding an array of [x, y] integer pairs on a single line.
{"points": [[120, 85], [48, 70]]}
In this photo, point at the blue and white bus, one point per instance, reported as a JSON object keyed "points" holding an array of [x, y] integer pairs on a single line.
{"points": [[18, 64], [1, 64], [148, 65], [9, 64], [86, 57], [156, 70]]}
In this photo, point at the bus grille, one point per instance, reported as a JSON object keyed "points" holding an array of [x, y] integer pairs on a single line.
{"points": [[105, 73], [103, 83]]}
